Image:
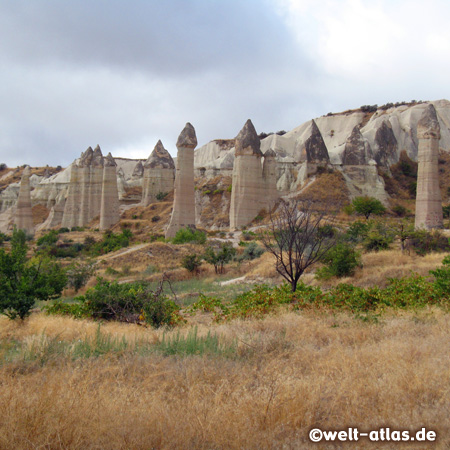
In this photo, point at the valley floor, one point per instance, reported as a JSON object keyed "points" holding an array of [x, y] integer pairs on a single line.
{"points": [[258, 384]]}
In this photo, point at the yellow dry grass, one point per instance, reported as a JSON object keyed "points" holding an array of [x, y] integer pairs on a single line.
{"points": [[291, 372]]}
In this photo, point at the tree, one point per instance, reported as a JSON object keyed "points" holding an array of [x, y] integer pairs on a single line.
{"points": [[218, 258], [78, 274], [367, 206], [23, 281], [297, 237], [191, 262]]}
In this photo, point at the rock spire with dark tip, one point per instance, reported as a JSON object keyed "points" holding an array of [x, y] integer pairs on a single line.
{"points": [[109, 206], [315, 151], [357, 150], [187, 138], [97, 157], [160, 157], [247, 141], [110, 161], [428, 125]]}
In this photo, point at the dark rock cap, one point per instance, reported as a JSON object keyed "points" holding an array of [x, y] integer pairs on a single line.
{"points": [[86, 158], [428, 126], [357, 150], [109, 161], [315, 150], [247, 141], [187, 138], [160, 157], [97, 157], [270, 154]]}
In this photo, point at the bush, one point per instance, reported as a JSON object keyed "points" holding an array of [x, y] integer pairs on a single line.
{"points": [[399, 210], [188, 234], [424, 242], [23, 281], [111, 242], [218, 258], [130, 302], [79, 273], [191, 262], [378, 237], [357, 231], [340, 261], [367, 206], [160, 196], [156, 219], [252, 251], [3, 166]]}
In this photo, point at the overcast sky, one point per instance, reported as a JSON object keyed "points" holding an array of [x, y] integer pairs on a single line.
{"points": [[123, 74]]}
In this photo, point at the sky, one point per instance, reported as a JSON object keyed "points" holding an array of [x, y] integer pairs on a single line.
{"points": [[123, 74]]}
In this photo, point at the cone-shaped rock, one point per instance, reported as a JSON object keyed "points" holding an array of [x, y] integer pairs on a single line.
{"points": [[248, 187], [55, 216], [387, 144], [24, 217], [159, 174], [109, 210], [357, 150], [183, 213], [314, 150], [428, 199], [138, 171]]}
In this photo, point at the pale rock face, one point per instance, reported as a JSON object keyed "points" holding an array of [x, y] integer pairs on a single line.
{"points": [[159, 173], [96, 184], [138, 171], [109, 209], [84, 172], [55, 216], [428, 200], [183, 213], [72, 206], [24, 218], [249, 189], [314, 149], [386, 145], [270, 178]]}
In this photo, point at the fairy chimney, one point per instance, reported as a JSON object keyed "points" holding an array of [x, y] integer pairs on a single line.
{"points": [[72, 205], [24, 217], [248, 187], [159, 173], [84, 172], [109, 208], [183, 213], [96, 181], [428, 197], [270, 177]]}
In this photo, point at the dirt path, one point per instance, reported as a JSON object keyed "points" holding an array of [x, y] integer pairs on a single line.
{"points": [[126, 251]]}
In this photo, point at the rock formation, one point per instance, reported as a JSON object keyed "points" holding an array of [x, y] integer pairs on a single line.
{"points": [[159, 172], [248, 187], [138, 171], [270, 178], [357, 151], [95, 194], [183, 213], [72, 206], [55, 216], [109, 209], [314, 150], [387, 145], [24, 217], [84, 174], [428, 199]]}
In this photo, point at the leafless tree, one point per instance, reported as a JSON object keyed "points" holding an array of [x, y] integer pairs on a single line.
{"points": [[297, 236]]}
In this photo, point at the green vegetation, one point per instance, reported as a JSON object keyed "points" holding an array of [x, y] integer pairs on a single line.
{"points": [[189, 235], [219, 257], [368, 206], [160, 196], [24, 280], [191, 262], [128, 302], [340, 261]]}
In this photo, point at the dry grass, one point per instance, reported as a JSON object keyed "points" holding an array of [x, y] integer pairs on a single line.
{"points": [[290, 372]]}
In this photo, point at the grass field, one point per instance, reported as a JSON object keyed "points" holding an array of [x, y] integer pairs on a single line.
{"points": [[256, 384]]}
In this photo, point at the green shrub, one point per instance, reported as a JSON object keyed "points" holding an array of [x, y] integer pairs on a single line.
{"points": [[111, 242], [400, 210], [156, 219], [48, 240], [191, 262], [357, 231], [188, 234], [63, 230], [442, 277], [340, 261], [79, 273], [251, 251], [130, 302], [229, 188], [219, 257], [424, 242], [367, 206], [160, 196], [378, 237]]}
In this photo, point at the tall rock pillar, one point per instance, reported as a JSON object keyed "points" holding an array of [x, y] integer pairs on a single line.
{"points": [[183, 213], [159, 171], [72, 206], [248, 187], [96, 184], [109, 208], [24, 217], [270, 177], [84, 173], [428, 197]]}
